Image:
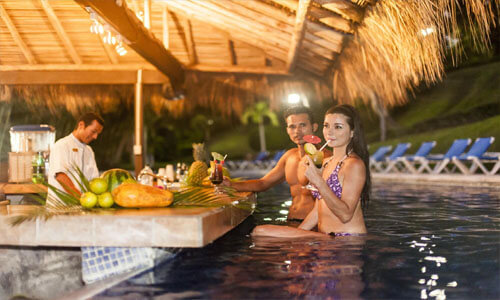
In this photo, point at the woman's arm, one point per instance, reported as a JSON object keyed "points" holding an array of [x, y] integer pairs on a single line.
{"points": [[311, 219], [352, 186]]}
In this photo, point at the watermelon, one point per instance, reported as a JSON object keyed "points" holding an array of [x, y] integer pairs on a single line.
{"points": [[115, 177]]}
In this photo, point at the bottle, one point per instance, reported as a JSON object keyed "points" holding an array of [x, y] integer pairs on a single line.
{"points": [[146, 179], [38, 167], [178, 172]]}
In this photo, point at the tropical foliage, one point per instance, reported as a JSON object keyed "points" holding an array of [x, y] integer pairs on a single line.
{"points": [[257, 114]]}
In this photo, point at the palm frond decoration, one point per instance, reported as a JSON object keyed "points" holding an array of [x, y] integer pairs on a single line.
{"points": [[67, 204]]}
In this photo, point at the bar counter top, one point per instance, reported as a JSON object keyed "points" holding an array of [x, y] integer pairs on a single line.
{"points": [[21, 188], [145, 227]]}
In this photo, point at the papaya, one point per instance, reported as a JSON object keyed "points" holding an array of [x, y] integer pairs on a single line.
{"points": [[139, 195]]}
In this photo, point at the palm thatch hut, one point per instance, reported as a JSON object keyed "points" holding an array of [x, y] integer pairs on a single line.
{"points": [[179, 55]]}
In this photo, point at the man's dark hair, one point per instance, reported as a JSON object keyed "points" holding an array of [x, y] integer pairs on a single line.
{"points": [[299, 109], [87, 119]]}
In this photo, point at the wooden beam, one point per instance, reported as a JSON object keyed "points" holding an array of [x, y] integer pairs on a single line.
{"points": [[165, 27], [232, 52], [71, 67], [16, 36], [139, 38], [191, 49], [68, 45], [345, 8], [56, 77], [147, 14], [298, 33], [237, 69]]}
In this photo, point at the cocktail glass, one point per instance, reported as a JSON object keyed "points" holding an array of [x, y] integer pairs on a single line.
{"points": [[217, 176]]}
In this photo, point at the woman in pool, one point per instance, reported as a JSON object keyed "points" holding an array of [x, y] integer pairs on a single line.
{"points": [[343, 182]]}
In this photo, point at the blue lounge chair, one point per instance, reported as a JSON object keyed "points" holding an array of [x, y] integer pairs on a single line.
{"points": [[477, 156], [270, 163], [410, 162], [378, 157], [391, 160], [441, 161], [244, 164]]}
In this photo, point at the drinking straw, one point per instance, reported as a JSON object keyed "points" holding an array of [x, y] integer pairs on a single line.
{"points": [[323, 147]]}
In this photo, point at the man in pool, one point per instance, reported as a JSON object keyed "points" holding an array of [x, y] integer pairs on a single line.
{"points": [[343, 183], [299, 122]]}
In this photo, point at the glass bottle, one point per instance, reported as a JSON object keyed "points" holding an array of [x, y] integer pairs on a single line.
{"points": [[38, 167], [145, 178]]}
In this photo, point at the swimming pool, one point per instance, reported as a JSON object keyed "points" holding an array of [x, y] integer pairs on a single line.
{"points": [[425, 242]]}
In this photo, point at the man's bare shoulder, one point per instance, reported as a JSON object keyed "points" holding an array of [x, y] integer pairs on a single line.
{"points": [[289, 154]]}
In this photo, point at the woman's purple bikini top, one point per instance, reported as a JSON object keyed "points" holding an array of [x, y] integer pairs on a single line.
{"points": [[332, 181]]}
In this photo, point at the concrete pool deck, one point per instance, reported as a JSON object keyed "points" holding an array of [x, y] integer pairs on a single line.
{"points": [[448, 179], [147, 227]]}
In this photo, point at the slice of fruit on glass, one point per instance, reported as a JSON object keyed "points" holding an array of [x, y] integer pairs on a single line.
{"points": [[312, 139], [310, 149], [217, 156]]}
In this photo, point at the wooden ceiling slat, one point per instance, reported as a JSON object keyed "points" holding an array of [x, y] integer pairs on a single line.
{"points": [[187, 9], [298, 33], [345, 8], [61, 32], [332, 40], [190, 43], [325, 17], [16, 36]]}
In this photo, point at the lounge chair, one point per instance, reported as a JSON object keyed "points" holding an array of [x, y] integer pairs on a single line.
{"points": [[390, 162], [270, 163], [243, 164], [378, 157], [477, 156], [410, 162], [441, 161]]}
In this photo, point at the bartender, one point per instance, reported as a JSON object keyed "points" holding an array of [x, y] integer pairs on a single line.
{"points": [[73, 150]]}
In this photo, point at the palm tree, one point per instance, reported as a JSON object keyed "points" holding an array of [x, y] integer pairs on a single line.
{"points": [[257, 113]]}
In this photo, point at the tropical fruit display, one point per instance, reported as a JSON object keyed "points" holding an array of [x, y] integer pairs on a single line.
{"points": [[115, 177], [138, 195], [198, 169]]}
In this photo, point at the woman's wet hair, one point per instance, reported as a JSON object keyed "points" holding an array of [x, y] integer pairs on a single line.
{"points": [[357, 144]]}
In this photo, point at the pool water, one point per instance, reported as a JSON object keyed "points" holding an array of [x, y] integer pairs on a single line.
{"points": [[424, 242]]}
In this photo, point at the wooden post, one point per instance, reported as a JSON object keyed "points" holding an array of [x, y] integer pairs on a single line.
{"points": [[138, 147], [298, 34]]}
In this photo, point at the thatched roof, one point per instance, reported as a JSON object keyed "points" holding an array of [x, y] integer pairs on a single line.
{"points": [[227, 53]]}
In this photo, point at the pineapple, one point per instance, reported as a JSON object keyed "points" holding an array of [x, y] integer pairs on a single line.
{"points": [[198, 169]]}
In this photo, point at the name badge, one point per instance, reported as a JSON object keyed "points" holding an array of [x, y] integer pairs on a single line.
{"points": [[75, 149]]}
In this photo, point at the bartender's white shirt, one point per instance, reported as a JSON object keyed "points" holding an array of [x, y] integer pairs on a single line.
{"points": [[64, 154]]}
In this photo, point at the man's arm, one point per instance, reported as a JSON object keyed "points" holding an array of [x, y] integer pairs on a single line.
{"points": [[274, 177], [67, 184]]}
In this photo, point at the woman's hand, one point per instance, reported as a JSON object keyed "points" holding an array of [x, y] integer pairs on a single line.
{"points": [[312, 173]]}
